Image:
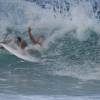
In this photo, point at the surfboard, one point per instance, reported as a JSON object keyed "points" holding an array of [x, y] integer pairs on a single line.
{"points": [[20, 53]]}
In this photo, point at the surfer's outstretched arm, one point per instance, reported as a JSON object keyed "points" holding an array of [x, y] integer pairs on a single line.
{"points": [[30, 35], [38, 40]]}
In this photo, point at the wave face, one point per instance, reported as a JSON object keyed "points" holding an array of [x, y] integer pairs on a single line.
{"points": [[72, 46]]}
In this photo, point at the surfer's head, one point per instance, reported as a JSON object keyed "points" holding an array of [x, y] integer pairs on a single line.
{"points": [[19, 38]]}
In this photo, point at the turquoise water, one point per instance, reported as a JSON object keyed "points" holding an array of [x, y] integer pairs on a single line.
{"points": [[71, 70]]}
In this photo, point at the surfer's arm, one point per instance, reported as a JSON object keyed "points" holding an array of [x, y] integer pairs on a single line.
{"points": [[31, 37]]}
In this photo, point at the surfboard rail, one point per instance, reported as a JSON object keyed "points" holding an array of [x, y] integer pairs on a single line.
{"points": [[19, 53]]}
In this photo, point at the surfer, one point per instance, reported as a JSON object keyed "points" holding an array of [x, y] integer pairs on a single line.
{"points": [[22, 43], [38, 40]]}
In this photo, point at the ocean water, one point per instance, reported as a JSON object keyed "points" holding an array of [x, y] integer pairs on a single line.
{"points": [[71, 52]]}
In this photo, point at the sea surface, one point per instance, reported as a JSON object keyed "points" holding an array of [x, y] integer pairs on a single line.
{"points": [[70, 67]]}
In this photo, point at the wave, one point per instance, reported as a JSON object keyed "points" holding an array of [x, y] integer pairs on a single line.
{"points": [[72, 34]]}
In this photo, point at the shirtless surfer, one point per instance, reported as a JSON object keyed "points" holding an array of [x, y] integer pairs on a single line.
{"points": [[22, 44]]}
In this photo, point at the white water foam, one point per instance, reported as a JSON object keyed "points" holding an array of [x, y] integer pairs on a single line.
{"points": [[84, 72], [22, 14], [43, 97]]}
